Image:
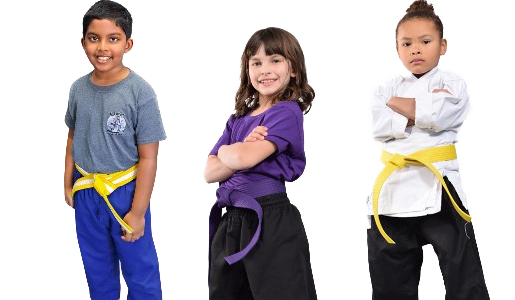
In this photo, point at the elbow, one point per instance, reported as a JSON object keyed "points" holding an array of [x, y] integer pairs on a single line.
{"points": [[208, 178], [208, 172], [380, 135]]}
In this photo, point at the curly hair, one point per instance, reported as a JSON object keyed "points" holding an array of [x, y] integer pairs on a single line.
{"points": [[275, 41]]}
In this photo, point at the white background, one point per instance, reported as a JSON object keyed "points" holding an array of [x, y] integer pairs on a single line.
{"points": [[190, 53]]}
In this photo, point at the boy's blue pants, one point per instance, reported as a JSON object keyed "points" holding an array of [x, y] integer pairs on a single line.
{"points": [[102, 248]]}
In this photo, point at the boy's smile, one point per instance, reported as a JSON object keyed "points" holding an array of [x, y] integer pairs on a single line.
{"points": [[105, 44], [419, 45], [269, 74]]}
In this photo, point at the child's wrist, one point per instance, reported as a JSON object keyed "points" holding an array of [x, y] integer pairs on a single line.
{"points": [[138, 212]]}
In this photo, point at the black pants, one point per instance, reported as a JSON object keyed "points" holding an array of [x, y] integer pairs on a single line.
{"points": [[278, 267], [395, 269]]}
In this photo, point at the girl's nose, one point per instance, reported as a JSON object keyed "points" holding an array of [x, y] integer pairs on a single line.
{"points": [[415, 52], [265, 72]]}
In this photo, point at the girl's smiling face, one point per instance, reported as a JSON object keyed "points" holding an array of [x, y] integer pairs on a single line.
{"points": [[419, 45], [269, 74]]}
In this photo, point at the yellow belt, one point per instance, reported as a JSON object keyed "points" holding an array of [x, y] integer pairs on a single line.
{"points": [[105, 184], [425, 157]]}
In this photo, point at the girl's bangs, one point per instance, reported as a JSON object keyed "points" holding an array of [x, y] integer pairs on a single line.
{"points": [[273, 43]]}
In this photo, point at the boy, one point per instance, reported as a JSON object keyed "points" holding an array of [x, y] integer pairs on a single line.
{"points": [[114, 133]]}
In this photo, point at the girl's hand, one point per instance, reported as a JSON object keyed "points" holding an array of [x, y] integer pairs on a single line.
{"points": [[68, 196], [441, 90], [410, 123], [138, 225], [257, 134]]}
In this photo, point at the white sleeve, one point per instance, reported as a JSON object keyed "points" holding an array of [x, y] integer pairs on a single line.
{"points": [[386, 123], [443, 111]]}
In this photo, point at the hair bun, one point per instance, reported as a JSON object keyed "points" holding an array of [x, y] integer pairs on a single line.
{"points": [[421, 5]]}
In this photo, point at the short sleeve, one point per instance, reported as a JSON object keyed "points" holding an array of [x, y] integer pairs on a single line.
{"points": [[69, 117], [149, 127], [225, 139], [285, 129]]}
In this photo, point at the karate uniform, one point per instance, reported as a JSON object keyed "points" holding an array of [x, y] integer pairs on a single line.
{"points": [[413, 209], [259, 249]]}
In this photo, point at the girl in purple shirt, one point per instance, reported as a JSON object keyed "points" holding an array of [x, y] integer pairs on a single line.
{"points": [[259, 248]]}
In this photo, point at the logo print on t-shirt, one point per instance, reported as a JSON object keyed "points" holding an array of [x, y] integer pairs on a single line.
{"points": [[116, 123]]}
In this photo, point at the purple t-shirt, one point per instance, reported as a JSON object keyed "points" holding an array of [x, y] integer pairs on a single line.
{"points": [[284, 122]]}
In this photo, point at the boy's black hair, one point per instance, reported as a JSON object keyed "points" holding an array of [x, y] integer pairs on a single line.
{"points": [[108, 10]]}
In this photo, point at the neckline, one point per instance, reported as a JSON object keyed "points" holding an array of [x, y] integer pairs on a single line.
{"points": [[276, 104], [433, 70], [107, 88]]}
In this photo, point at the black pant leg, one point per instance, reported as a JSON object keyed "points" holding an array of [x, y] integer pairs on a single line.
{"points": [[395, 269], [279, 266], [228, 282], [455, 245]]}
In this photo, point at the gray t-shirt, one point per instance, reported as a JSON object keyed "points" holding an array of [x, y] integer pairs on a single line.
{"points": [[110, 121]]}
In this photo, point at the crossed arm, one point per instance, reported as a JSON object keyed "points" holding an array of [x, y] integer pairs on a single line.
{"points": [[406, 106], [239, 156]]}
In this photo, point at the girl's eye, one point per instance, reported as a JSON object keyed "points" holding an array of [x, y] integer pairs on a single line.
{"points": [[255, 64], [276, 60], [426, 42], [406, 44]]}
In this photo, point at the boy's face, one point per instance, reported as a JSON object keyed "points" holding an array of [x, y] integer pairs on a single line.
{"points": [[105, 44], [269, 74], [419, 45]]}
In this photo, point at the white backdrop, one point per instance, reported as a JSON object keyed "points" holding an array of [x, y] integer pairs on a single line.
{"points": [[190, 51]]}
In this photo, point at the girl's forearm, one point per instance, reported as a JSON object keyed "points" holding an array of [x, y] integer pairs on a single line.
{"points": [[403, 106], [216, 171], [241, 156], [233, 156], [68, 162]]}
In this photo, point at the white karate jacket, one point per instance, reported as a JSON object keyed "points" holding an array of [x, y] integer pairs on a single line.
{"points": [[415, 190]]}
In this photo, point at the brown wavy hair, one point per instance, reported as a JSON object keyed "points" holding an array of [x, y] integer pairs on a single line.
{"points": [[420, 9], [275, 41]]}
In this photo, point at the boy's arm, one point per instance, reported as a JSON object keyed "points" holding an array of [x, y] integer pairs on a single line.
{"points": [[240, 156], [68, 169], [147, 167], [216, 171]]}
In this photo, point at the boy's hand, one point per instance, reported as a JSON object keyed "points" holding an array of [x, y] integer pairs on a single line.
{"points": [[410, 123], [138, 225], [441, 90], [257, 134], [68, 196]]}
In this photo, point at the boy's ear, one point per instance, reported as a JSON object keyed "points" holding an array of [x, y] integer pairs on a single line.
{"points": [[443, 46], [129, 45], [83, 43]]}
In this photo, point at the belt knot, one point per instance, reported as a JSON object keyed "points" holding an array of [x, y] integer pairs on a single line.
{"points": [[398, 160]]}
